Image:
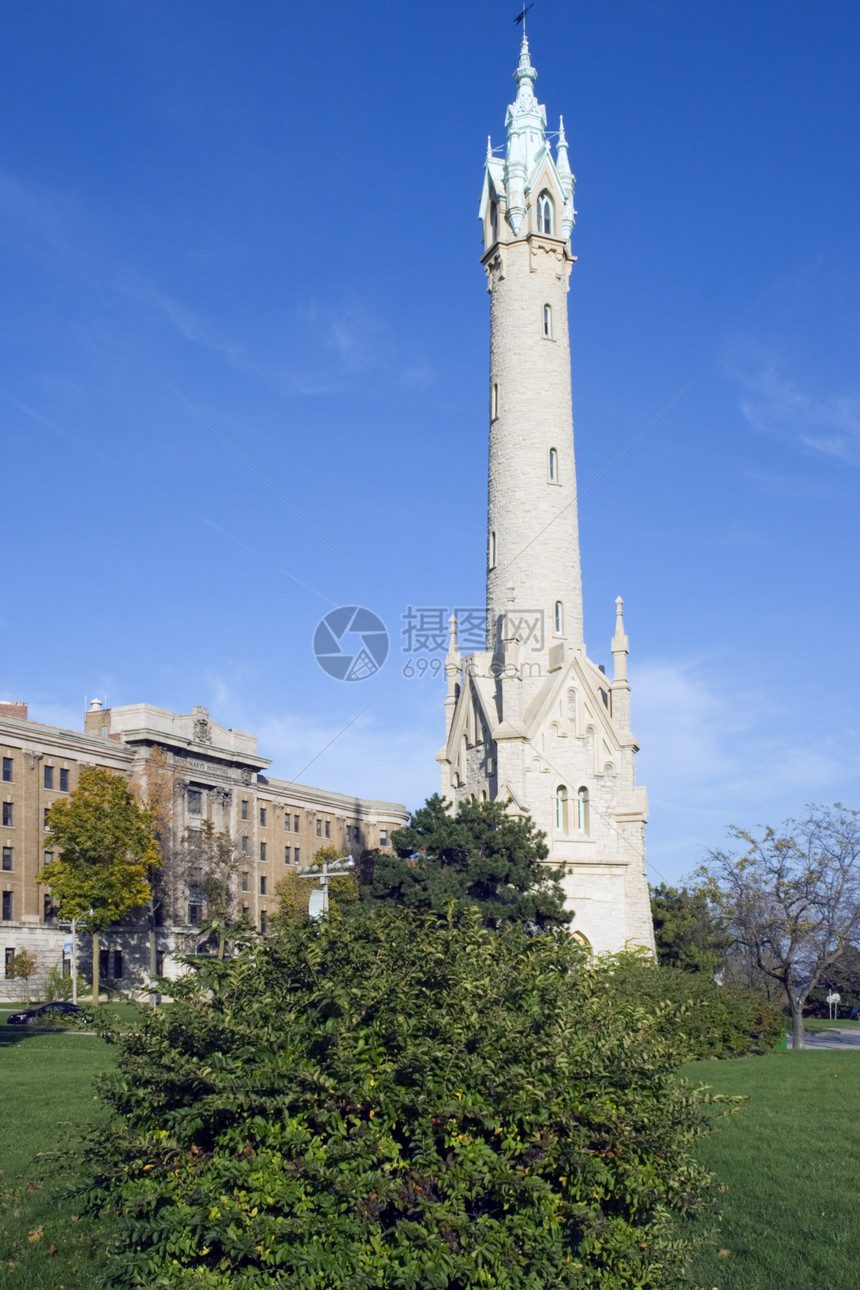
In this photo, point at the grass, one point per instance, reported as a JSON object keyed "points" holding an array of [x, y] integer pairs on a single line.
{"points": [[791, 1166], [789, 1163], [47, 1095], [821, 1023]]}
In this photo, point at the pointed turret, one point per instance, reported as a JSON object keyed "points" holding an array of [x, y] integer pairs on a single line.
{"points": [[454, 672], [526, 127], [567, 180], [620, 686]]}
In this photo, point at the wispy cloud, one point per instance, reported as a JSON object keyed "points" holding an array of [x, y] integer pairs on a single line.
{"points": [[717, 750], [828, 424], [368, 759]]}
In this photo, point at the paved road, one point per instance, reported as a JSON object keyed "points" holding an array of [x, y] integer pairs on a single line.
{"points": [[847, 1037]]}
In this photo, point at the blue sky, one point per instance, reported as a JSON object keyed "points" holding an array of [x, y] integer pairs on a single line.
{"points": [[272, 208]]}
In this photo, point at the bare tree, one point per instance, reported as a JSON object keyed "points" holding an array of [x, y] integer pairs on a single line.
{"points": [[792, 899], [210, 875]]}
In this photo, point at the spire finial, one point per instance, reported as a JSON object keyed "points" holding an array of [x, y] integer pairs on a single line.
{"points": [[620, 643], [525, 75]]}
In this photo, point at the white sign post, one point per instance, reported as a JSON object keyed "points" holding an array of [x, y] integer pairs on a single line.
{"points": [[318, 903]]}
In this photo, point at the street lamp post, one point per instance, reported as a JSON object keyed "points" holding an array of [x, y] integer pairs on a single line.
{"points": [[327, 869], [74, 961]]}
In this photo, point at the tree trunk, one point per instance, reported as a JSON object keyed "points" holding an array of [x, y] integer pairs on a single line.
{"points": [[798, 1032], [96, 983]]}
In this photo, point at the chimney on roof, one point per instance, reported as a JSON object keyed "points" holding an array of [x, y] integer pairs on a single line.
{"points": [[17, 711]]}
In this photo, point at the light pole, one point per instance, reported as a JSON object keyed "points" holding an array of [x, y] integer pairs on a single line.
{"points": [[74, 961], [323, 871]]}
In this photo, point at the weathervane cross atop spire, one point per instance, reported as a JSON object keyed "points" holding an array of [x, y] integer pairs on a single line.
{"points": [[521, 17]]}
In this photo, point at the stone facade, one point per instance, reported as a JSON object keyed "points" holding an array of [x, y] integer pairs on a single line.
{"points": [[206, 773], [531, 720]]}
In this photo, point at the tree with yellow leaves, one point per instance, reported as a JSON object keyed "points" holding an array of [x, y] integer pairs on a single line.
{"points": [[105, 848]]}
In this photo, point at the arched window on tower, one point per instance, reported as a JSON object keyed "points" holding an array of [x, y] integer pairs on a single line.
{"points": [[583, 821], [494, 222], [561, 810], [547, 321], [553, 466], [545, 214], [559, 618]]}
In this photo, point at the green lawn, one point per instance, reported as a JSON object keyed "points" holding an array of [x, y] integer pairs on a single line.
{"points": [[790, 1163], [791, 1166], [46, 1077]]}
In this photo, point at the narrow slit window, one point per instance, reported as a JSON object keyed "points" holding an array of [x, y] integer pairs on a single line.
{"points": [[545, 214], [553, 466], [492, 550], [547, 321], [561, 809], [559, 618], [494, 221], [582, 811], [494, 402]]}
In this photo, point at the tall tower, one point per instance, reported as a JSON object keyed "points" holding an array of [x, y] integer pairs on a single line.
{"points": [[530, 720]]}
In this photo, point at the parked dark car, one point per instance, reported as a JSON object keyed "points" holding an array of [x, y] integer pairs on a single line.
{"points": [[45, 1011]]}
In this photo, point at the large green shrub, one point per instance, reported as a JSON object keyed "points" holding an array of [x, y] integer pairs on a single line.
{"points": [[703, 1018], [474, 856], [392, 1101]]}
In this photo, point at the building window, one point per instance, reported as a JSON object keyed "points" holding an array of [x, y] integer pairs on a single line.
{"points": [[7, 859], [48, 911], [244, 808], [547, 321], [263, 852], [297, 856], [10, 954], [494, 402], [245, 886], [64, 781], [195, 801], [295, 824], [383, 837], [553, 465], [159, 962], [104, 964], [319, 828], [117, 965], [356, 833], [46, 824], [195, 914], [328, 828], [559, 618], [7, 906], [244, 845], [49, 855], [7, 770], [263, 816], [561, 809], [286, 855], [492, 550], [48, 774], [494, 221], [263, 922], [9, 814], [545, 214], [263, 885], [583, 812], [245, 911]]}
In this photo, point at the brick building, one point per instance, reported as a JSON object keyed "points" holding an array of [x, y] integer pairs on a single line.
{"points": [[206, 773]]}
